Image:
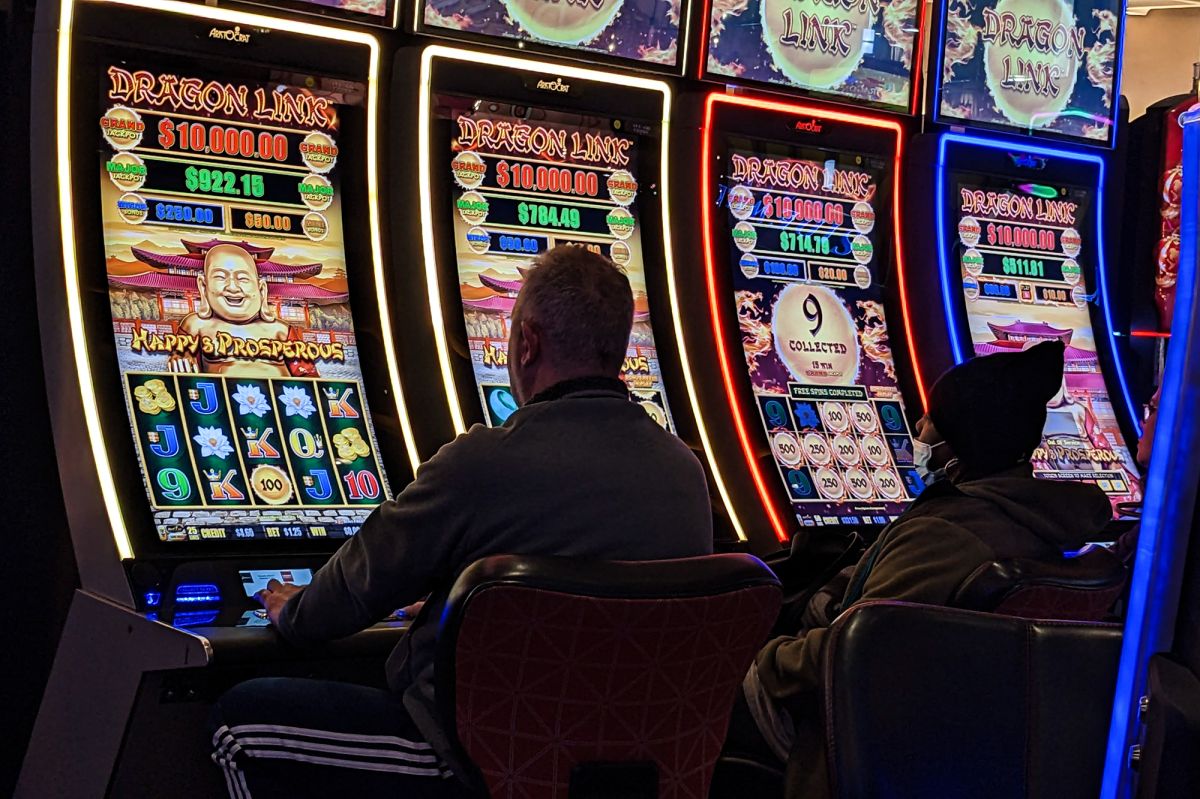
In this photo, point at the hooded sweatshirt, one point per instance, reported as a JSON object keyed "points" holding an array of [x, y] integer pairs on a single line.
{"points": [[924, 557]]}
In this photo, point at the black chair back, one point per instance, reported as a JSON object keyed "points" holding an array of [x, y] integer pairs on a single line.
{"points": [[925, 701]]}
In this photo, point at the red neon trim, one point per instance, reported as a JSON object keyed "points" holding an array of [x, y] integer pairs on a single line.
{"points": [[914, 98], [715, 303], [1148, 334], [707, 32], [898, 236]]}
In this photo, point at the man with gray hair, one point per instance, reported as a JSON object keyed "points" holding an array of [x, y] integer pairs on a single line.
{"points": [[578, 470]]}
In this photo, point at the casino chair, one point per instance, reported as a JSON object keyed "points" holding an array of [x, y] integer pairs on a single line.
{"points": [[924, 701], [580, 679], [1084, 587]]}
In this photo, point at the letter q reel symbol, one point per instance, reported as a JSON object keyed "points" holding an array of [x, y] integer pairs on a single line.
{"points": [[304, 444]]}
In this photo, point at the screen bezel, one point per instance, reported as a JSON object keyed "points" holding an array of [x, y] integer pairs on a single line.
{"points": [[936, 85], [104, 37], [417, 24], [730, 119], [589, 97], [915, 78], [1056, 168]]}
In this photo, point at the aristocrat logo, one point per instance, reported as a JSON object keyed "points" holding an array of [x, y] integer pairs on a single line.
{"points": [[230, 35], [807, 126], [555, 85]]}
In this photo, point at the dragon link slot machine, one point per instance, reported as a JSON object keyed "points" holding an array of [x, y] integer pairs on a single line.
{"points": [[226, 403], [788, 283], [519, 153], [1011, 221]]}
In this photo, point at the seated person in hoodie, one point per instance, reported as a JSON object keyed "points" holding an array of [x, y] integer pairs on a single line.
{"points": [[578, 470], [981, 504]]}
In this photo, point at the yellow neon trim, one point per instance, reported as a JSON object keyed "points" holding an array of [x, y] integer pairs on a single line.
{"points": [[91, 412], [87, 389], [424, 184], [677, 323], [425, 179]]}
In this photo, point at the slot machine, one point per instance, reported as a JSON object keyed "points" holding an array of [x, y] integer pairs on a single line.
{"points": [[498, 157], [792, 309], [226, 403], [1157, 688], [1011, 221]]}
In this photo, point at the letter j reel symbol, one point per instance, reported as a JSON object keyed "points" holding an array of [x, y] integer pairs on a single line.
{"points": [[321, 488], [167, 445], [207, 403]]}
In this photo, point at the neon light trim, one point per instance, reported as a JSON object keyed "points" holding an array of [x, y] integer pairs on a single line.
{"points": [[716, 303], [66, 203], [427, 239], [955, 310], [1170, 488]]}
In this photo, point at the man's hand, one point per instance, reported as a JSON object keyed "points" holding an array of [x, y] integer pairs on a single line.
{"points": [[275, 596]]}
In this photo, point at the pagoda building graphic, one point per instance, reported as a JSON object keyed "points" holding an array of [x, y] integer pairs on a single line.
{"points": [[174, 275], [1019, 335], [504, 296]]}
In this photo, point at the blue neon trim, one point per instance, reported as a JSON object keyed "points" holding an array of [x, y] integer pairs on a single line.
{"points": [[955, 307], [1170, 485], [1105, 304]]}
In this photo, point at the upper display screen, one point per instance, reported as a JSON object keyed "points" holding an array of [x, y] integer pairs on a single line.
{"points": [[523, 183], [222, 219], [807, 246], [374, 8], [645, 30], [1035, 66], [1021, 255], [860, 50]]}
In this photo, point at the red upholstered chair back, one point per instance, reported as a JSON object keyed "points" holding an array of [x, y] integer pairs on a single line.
{"points": [[549, 664], [1080, 588]]}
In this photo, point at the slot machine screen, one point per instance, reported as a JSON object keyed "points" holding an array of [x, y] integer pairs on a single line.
{"points": [[646, 31], [229, 297], [1031, 66], [808, 244], [372, 8], [1026, 255], [860, 52], [526, 180]]}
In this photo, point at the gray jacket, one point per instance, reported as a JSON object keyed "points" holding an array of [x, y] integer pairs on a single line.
{"points": [[588, 474]]}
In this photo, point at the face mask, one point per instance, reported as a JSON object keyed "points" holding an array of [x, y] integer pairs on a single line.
{"points": [[922, 452]]}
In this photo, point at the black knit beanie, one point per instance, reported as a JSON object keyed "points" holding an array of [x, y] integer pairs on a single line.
{"points": [[991, 409]]}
